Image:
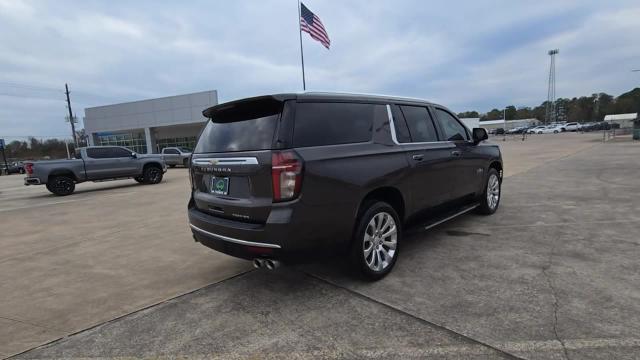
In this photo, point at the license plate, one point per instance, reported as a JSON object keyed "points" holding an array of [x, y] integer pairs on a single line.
{"points": [[220, 185]]}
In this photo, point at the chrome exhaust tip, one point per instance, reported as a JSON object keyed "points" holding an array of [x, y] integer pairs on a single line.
{"points": [[271, 264], [258, 263]]}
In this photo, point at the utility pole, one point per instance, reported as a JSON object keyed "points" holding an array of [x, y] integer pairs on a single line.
{"points": [[6, 165], [550, 111], [71, 120], [504, 124]]}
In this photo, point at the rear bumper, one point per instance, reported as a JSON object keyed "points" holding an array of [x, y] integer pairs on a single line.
{"points": [[32, 181], [293, 233], [235, 238]]}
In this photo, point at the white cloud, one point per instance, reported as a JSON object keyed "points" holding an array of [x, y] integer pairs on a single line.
{"points": [[466, 55]]}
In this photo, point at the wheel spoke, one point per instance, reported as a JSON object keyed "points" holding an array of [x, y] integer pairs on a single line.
{"points": [[379, 218], [392, 231], [387, 256], [367, 249], [386, 224], [390, 244]]}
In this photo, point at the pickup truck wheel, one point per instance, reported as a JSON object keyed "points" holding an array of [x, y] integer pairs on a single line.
{"points": [[61, 185], [152, 175], [172, 166], [491, 196], [374, 249], [185, 162]]}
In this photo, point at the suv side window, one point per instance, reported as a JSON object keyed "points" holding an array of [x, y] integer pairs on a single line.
{"points": [[420, 124], [452, 128], [170, 151], [333, 123]]}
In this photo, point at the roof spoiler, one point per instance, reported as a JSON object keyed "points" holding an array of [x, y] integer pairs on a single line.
{"points": [[259, 101]]}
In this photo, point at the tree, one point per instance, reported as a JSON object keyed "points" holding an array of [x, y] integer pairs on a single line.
{"points": [[494, 114], [469, 114], [38, 149], [524, 113], [577, 109], [510, 112]]}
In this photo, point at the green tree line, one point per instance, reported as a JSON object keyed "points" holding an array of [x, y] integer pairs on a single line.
{"points": [[578, 109], [35, 149]]}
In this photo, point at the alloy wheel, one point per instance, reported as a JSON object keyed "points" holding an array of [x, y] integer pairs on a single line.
{"points": [[493, 191], [380, 241], [154, 175]]}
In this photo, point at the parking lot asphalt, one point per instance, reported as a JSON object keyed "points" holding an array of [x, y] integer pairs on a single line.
{"points": [[553, 274]]}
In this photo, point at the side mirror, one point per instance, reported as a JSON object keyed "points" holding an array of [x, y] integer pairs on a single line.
{"points": [[479, 134], [134, 155]]}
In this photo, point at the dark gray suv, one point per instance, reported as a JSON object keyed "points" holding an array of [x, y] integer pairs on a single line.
{"points": [[282, 177]]}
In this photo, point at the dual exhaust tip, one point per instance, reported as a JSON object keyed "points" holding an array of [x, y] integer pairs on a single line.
{"points": [[268, 264]]}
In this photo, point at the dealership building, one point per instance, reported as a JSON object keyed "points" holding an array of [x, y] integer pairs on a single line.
{"points": [[148, 126]]}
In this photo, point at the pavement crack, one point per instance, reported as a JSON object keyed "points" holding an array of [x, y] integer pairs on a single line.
{"points": [[556, 304], [30, 323], [450, 331]]}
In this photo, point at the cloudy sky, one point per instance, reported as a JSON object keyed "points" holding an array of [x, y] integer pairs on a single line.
{"points": [[465, 54]]}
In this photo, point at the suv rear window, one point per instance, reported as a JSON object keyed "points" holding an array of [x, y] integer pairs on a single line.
{"points": [[332, 123], [241, 127]]}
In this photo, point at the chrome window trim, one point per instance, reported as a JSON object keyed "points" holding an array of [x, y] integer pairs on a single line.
{"points": [[392, 126], [234, 240], [226, 161]]}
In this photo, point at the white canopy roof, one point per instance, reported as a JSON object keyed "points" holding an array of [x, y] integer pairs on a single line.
{"points": [[618, 117]]}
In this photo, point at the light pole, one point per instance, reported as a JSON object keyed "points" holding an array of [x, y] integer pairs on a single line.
{"points": [[504, 124]]}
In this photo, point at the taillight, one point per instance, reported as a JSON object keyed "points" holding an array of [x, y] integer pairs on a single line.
{"points": [[286, 173], [28, 168]]}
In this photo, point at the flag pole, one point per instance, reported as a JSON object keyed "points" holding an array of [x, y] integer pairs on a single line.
{"points": [[304, 84]]}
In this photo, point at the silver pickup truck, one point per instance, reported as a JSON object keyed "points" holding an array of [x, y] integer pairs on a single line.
{"points": [[95, 163], [176, 156]]}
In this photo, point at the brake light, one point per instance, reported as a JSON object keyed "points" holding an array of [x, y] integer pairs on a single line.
{"points": [[28, 168], [286, 173]]}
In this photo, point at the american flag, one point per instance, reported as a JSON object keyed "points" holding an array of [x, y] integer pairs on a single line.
{"points": [[311, 24]]}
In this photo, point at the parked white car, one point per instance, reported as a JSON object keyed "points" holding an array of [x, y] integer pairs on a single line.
{"points": [[536, 129], [551, 129], [572, 126]]}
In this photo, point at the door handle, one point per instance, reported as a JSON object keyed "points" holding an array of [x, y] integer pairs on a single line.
{"points": [[418, 157], [456, 153]]}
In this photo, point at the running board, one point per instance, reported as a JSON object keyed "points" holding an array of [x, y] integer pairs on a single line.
{"points": [[444, 218]]}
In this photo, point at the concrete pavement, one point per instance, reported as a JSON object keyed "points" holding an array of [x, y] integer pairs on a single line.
{"points": [[553, 273], [68, 263]]}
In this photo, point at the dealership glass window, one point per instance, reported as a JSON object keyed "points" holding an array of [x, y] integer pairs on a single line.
{"points": [[187, 142], [135, 142]]}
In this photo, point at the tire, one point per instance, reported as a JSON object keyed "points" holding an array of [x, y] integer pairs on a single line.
{"points": [[493, 186], [185, 163], [376, 217], [172, 166], [539, 132], [139, 179], [61, 185], [152, 175], [555, 131]]}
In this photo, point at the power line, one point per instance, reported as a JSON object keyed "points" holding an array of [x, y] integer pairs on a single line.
{"points": [[34, 87], [31, 96]]}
